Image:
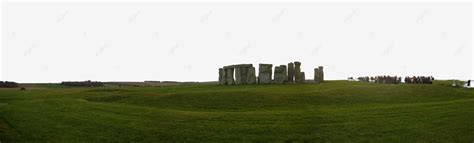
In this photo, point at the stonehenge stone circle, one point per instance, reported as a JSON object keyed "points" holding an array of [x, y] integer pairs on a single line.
{"points": [[265, 73], [245, 74]]}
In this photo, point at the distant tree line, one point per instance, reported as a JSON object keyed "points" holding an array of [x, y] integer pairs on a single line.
{"points": [[87, 83], [8, 84]]}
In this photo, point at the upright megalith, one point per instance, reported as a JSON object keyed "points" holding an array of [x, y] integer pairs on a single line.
{"points": [[318, 74], [222, 76], [280, 74], [265, 73], [251, 78], [303, 78], [238, 75], [298, 72], [291, 72], [285, 73], [321, 73], [229, 76]]}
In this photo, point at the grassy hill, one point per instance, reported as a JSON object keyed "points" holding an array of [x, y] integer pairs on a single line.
{"points": [[334, 111]]}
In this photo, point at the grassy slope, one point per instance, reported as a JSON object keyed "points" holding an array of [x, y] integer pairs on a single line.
{"points": [[332, 111]]}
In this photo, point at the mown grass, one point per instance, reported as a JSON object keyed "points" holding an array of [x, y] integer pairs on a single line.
{"points": [[334, 111]]}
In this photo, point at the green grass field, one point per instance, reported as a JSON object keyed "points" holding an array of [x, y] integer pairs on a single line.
{"points": [[334, 111]]}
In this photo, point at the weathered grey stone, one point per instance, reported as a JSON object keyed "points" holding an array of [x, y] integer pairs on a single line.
{"points": [[265, 73], [291, 72], [298, 72], [316, 75], [279, 76], [238, 75], [243, 75], [285, 73], [238, 66], [229, 74], [222, 76], [303, 78], [251, 78], [321, 73]]}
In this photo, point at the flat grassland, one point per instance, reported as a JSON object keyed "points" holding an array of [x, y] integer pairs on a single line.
{"points": [[334, 111]]}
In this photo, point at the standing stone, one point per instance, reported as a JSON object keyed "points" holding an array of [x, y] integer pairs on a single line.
{"points": [[229, 74], [279, 76], [251, 78], [321, 73], [316, 75], [303, 78], [243, 75], [265, 73], [285, 73], [222, 76], [238, 75], [298, 72], [291, 72]]}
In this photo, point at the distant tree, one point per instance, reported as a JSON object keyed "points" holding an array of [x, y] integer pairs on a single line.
{"points": [[87, 83], [8, 84]]}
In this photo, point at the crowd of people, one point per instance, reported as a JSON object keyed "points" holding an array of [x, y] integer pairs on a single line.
{"points": [[387, 79], [419, 80], [396, 79], [363, 78]]}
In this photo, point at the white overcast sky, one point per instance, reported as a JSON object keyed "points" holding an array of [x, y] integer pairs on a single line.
{"points": [[189, 41]]}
